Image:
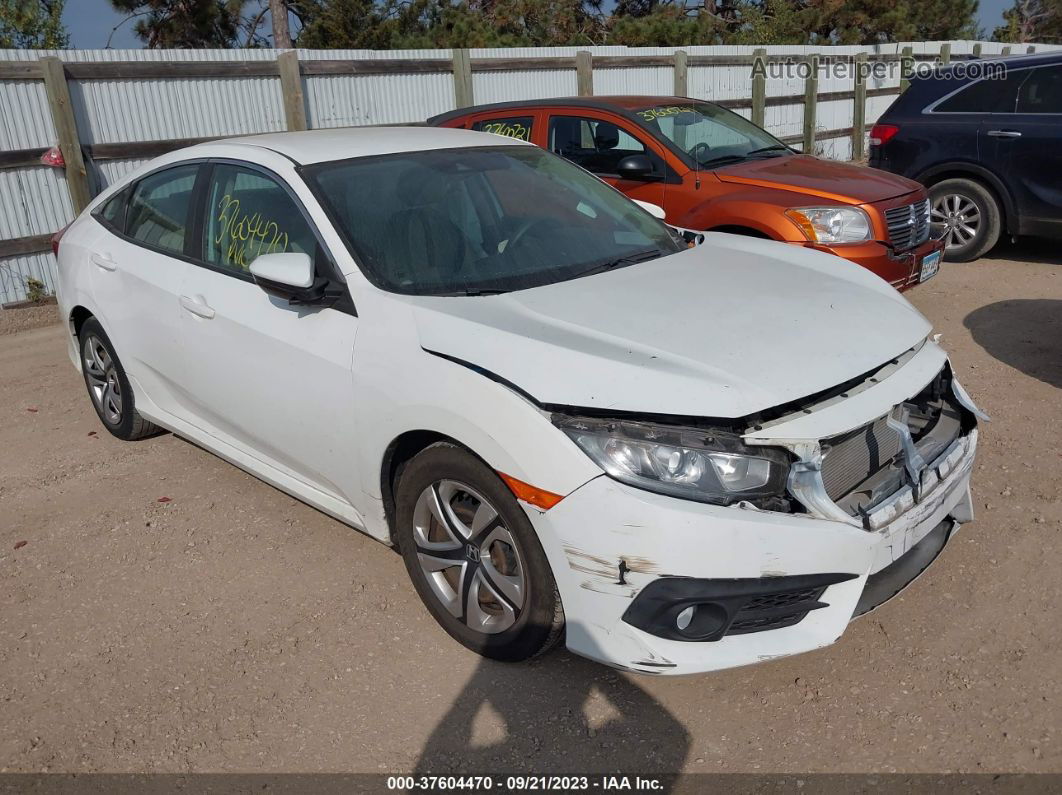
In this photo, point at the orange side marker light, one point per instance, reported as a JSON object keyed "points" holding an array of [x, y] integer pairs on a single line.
{"points": [[532, 495]]}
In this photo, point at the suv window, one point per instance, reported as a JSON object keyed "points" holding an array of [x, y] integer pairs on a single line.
{"points": [[1042, 92], [248, 214], [518, 127], [158, 210], [594, 144], [985, 96]]}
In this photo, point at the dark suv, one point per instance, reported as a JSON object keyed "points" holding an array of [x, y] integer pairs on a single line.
{"points": [[988, 147]]}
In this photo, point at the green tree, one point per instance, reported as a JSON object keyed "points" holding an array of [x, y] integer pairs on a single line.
{"points": [[186, 23], [32, 24], [1031, 21]]}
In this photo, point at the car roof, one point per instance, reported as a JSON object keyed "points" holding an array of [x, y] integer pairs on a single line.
{"points": [[320, 146], [624, 102]]}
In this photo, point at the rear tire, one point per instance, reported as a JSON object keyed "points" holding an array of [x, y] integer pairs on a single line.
{"points": [[966, 215], [108, 385], [474, 556]]}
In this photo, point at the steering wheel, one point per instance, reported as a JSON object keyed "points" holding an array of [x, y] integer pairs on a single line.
{"points": [[523, 229], [699, 148]]}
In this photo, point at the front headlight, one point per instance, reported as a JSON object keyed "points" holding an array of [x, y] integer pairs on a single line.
{"points": [[705, 465], [831, 224]]}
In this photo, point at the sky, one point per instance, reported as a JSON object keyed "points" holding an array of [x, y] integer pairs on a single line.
{"points": [[90, 22]]}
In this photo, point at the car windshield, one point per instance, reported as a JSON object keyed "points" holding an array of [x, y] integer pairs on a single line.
{"points": [[482, 220], [710, 135]]}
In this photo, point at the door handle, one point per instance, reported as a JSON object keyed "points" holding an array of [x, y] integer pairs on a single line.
{"points": [[103, 262], [200, 308], [1004, 133]]}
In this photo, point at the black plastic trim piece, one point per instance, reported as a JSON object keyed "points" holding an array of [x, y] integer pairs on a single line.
{"points": [[657, 606]]}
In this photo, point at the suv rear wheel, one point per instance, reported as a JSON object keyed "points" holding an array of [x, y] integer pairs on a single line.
{"points": [[966, 215]]}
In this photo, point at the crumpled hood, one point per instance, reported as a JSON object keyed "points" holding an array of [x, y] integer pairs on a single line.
{"points": [[826, 179], [730, 328]]}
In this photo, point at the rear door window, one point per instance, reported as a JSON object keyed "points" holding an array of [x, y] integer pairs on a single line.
{"points": [[518, 127], [112, 213], [1042, 92], [158, 213], [986, 96]]}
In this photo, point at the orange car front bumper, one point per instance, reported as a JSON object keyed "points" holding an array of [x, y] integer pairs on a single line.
{"points": [[902, 270]]}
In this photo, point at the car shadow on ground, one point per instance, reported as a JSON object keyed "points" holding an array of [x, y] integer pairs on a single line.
{"points": [[1023, 333], [561, 714]]}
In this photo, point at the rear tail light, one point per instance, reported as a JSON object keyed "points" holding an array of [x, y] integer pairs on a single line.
{"points": [[56, 238], [882, 133]]}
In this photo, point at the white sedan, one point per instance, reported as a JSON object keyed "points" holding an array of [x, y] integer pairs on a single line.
{"points": [[570, 424]]}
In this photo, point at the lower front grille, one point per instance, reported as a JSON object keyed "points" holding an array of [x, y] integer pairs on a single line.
{"points": [[908, 225]]}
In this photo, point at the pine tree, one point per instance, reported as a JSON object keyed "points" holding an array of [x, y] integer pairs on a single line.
{"points": [[32, 24]]}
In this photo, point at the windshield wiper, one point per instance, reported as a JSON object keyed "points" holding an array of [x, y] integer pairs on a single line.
{"points": [[764, 149], [477, 291], [630, 259], [718, 161]]}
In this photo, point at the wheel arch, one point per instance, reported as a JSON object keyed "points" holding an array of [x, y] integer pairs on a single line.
{"points": [[985, 178], [403, 449], [78, 316]]}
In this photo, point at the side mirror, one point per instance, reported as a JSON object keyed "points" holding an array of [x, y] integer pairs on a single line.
{"points": [[635, 167], [291, 276], [285, 270], [654, 210]]}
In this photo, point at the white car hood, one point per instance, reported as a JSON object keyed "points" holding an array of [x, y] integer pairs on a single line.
{"points": [[730, 328]]}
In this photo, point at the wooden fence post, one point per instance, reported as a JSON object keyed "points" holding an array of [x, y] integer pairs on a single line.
{"points": [[759, 85], [66, 130], [811, 95], [291, 86], [945, 53], [462, 65], [682, 85], [859, 106], [905, 68], [977, 50], [1006, 51], [584, 73], [1031, 49]]}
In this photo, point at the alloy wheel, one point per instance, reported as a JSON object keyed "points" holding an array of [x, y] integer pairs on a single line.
{"points": [[104, 386], [469, 559], [955, 219]]}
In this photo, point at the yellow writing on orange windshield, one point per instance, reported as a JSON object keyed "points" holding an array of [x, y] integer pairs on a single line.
{"points": [[244, 236], [663, 112]]}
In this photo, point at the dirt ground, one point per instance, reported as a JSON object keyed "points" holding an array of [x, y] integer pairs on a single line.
{"points": [[235, 629]]}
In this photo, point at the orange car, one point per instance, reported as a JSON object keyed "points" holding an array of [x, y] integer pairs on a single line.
{"points": [[712, 170]]}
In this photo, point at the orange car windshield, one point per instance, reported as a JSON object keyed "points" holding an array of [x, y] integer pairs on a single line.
{"points": [[709, 135]]}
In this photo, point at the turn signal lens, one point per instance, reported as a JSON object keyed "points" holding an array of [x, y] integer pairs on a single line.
{"points": [[532, 495], [882, 133]]}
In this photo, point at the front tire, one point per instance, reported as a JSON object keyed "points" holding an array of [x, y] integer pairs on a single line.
{"points": [[474, 557], [108, 385], [966, 215]]}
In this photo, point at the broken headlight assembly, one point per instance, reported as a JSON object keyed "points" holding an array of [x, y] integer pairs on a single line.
{"points": [[699, 464]]}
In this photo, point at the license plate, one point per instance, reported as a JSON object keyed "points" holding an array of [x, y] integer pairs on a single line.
{"points": [[930, 266]]}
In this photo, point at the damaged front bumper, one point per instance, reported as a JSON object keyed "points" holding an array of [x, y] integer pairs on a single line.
{"points": [[760, 584]]}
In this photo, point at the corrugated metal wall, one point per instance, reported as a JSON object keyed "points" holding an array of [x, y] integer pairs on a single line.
{"points": [[35, 201]]}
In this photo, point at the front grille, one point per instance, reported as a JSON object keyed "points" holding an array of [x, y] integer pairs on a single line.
{"points": [[908, 225], [850, 459]]}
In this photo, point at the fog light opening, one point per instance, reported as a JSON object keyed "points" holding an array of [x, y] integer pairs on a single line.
{"points": [[683, 619]]}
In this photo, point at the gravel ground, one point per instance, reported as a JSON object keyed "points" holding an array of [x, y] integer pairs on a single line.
{"points": [[231, 628]]}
